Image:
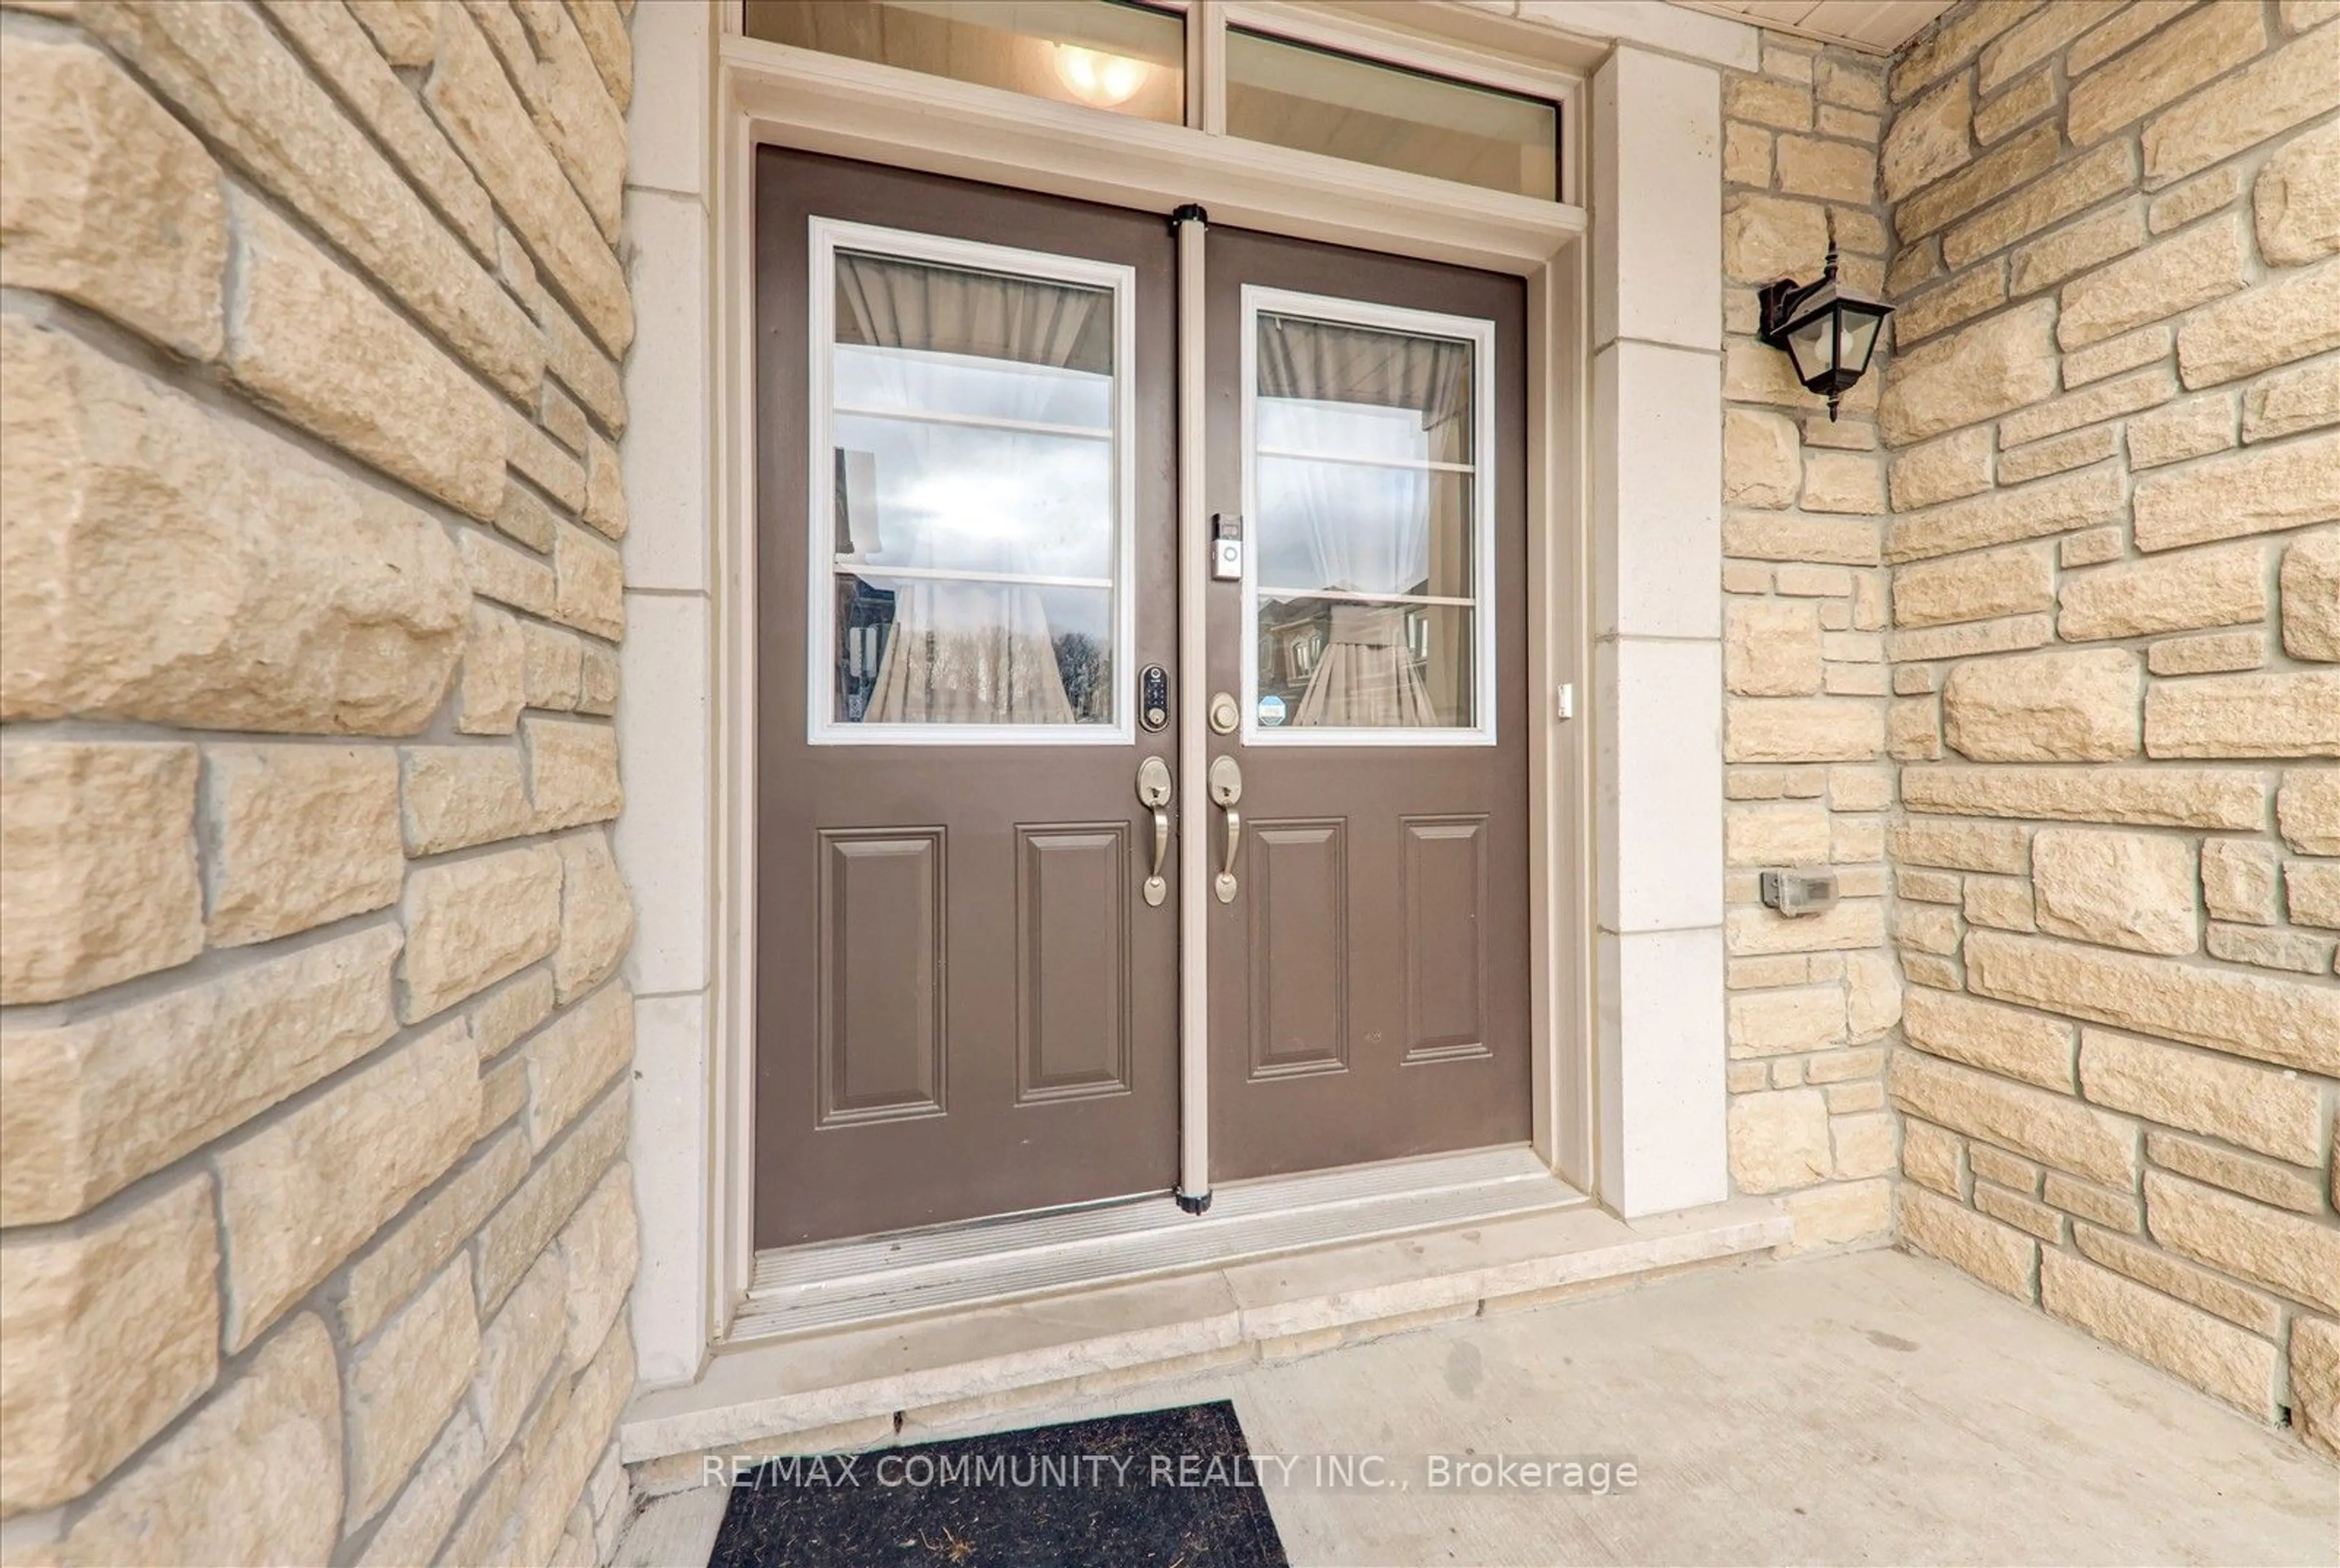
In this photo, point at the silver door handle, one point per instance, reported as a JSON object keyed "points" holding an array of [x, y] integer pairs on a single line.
{"points": [[1154, 790], [1227, 788]]}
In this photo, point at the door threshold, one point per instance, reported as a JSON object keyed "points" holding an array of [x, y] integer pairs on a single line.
{"points": [[907, 1274], [858, 1386]]}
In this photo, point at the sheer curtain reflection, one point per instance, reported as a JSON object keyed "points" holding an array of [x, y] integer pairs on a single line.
{"points": [[1353, 391], [968, 652]]}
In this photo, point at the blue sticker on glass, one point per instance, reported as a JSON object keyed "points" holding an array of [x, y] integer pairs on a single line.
{"points": [[1271, 710]]}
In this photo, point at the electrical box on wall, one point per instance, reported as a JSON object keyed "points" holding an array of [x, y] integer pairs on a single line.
{"points": [[1796, 893]]}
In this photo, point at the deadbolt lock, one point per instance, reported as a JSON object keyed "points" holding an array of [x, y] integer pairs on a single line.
{"points": [[1224, 714]]}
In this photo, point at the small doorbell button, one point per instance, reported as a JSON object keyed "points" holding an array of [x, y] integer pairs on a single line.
{"points": [[1226, 548]]}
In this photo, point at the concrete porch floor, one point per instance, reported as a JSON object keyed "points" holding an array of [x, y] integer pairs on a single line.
{"points": [[1869, 1408]]}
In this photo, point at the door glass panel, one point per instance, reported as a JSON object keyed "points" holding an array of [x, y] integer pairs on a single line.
{"points": [[1320, 102], [973, 479], [1368, 526], [1102, 53]]}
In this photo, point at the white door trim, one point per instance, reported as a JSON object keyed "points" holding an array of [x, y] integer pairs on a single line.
{"points": [[704, 101]]}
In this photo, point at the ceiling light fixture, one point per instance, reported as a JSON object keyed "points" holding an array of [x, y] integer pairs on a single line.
{"points": [[1107, 81]]}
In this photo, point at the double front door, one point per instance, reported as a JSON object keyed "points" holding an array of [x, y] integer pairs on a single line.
{"points": [[969, 649]]}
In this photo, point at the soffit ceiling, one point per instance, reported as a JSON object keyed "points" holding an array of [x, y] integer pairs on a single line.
{"points": [[1875, 26]]}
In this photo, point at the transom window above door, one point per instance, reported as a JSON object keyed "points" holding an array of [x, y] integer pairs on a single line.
{"points": [[971, 491], [1369, 603], [1314, 81]]}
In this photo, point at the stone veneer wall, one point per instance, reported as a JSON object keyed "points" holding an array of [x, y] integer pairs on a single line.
{"points": [[1812, 1001], [312, 1086], [2117, 616]]}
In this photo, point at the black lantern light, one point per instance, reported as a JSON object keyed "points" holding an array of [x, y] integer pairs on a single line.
{"points": [[1828, 333]]}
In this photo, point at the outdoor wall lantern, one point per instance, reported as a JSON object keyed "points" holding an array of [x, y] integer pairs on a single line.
{"points": [[1828, 333]]}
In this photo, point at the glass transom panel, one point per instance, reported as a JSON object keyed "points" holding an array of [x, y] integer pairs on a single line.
{"points": [[1369, 528], [974, 529]]}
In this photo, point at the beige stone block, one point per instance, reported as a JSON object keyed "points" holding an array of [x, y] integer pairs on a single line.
{"points": [[2127, 24], [2163, 69], [1762, 459], [1780, 104], [98, 842], [2075, 248], [597, 915], [1946, 469], [107, 1331], [599, 1249], [492, 688], [522, 1345], [1927, 886], [605, 491], [2194, 428], [2002, 903], [1961, 846], [1937, 50], [2014, 108], [1928, 139], [2059, 455], [397, 1391], [574, 1056], [412, 1529], [2027, 511], [190, 1498], [2307, 807], [591, 584], [2025, 1214], [1799, 537], [470, 922], [2288, 402], [516, 1234], [2286, 88], [1911, 732], [2273, 324], [2113, 355], [89, 1106], [1999, 1256], [2296, 951], [2266, 715], [565, 94], [1932, 1157], [2120, 1210], [2180, 798], [1770, 649], [2081, 183], [452, 797], [551, 666], [505, 1014], [2295, 199], [2053, 1128], [2004, 168], [356, 67], [167, 563], [2214, 1355], [559, 1477], [1840, 1212], [2294, 1255], [1803, 729], [2312, 889], [2092, 547], [1968, 640], [2128, 394], [1780, 1140], [2268, 1181], [2315, 1382], [1851, 82], [2218, 587], [1776, 1023], [1861, 1144], [2012, 1173], [1925, 929], [2211, 653], [2289, 1023], [300, 1194], [404, 1256], [1975, 587], [532, 452], [2276, 1112], [2056, 707], [1841, 482], [1754, 372], [2181, 204], [1872, 997], [572, 772], [598, 680], [2239, 880], [2004, 1040], [603, 29], [1746, 155], [405, 31], [1974, 373], [244, 88], [2310, 586], [300, 835], [1766, 237], [1858, 923], [2190, 268], [476, 104], [106, 200], [2036, 38], [1775, 836], [526, 516]]}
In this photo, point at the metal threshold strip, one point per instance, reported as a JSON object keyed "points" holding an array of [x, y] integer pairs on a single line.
{"points": [[829, 1284]]}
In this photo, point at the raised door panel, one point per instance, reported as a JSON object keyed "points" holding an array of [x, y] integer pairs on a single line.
{"points": [[882, 1037], [1072, 961], [1299, 982], [1445, 904]]}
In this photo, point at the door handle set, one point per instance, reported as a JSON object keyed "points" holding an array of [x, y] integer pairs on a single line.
{"points": [[1155, 791]]}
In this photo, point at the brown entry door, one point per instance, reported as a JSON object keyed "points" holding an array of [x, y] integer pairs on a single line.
{"points": [[966, 1002], [1368, 961]]}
